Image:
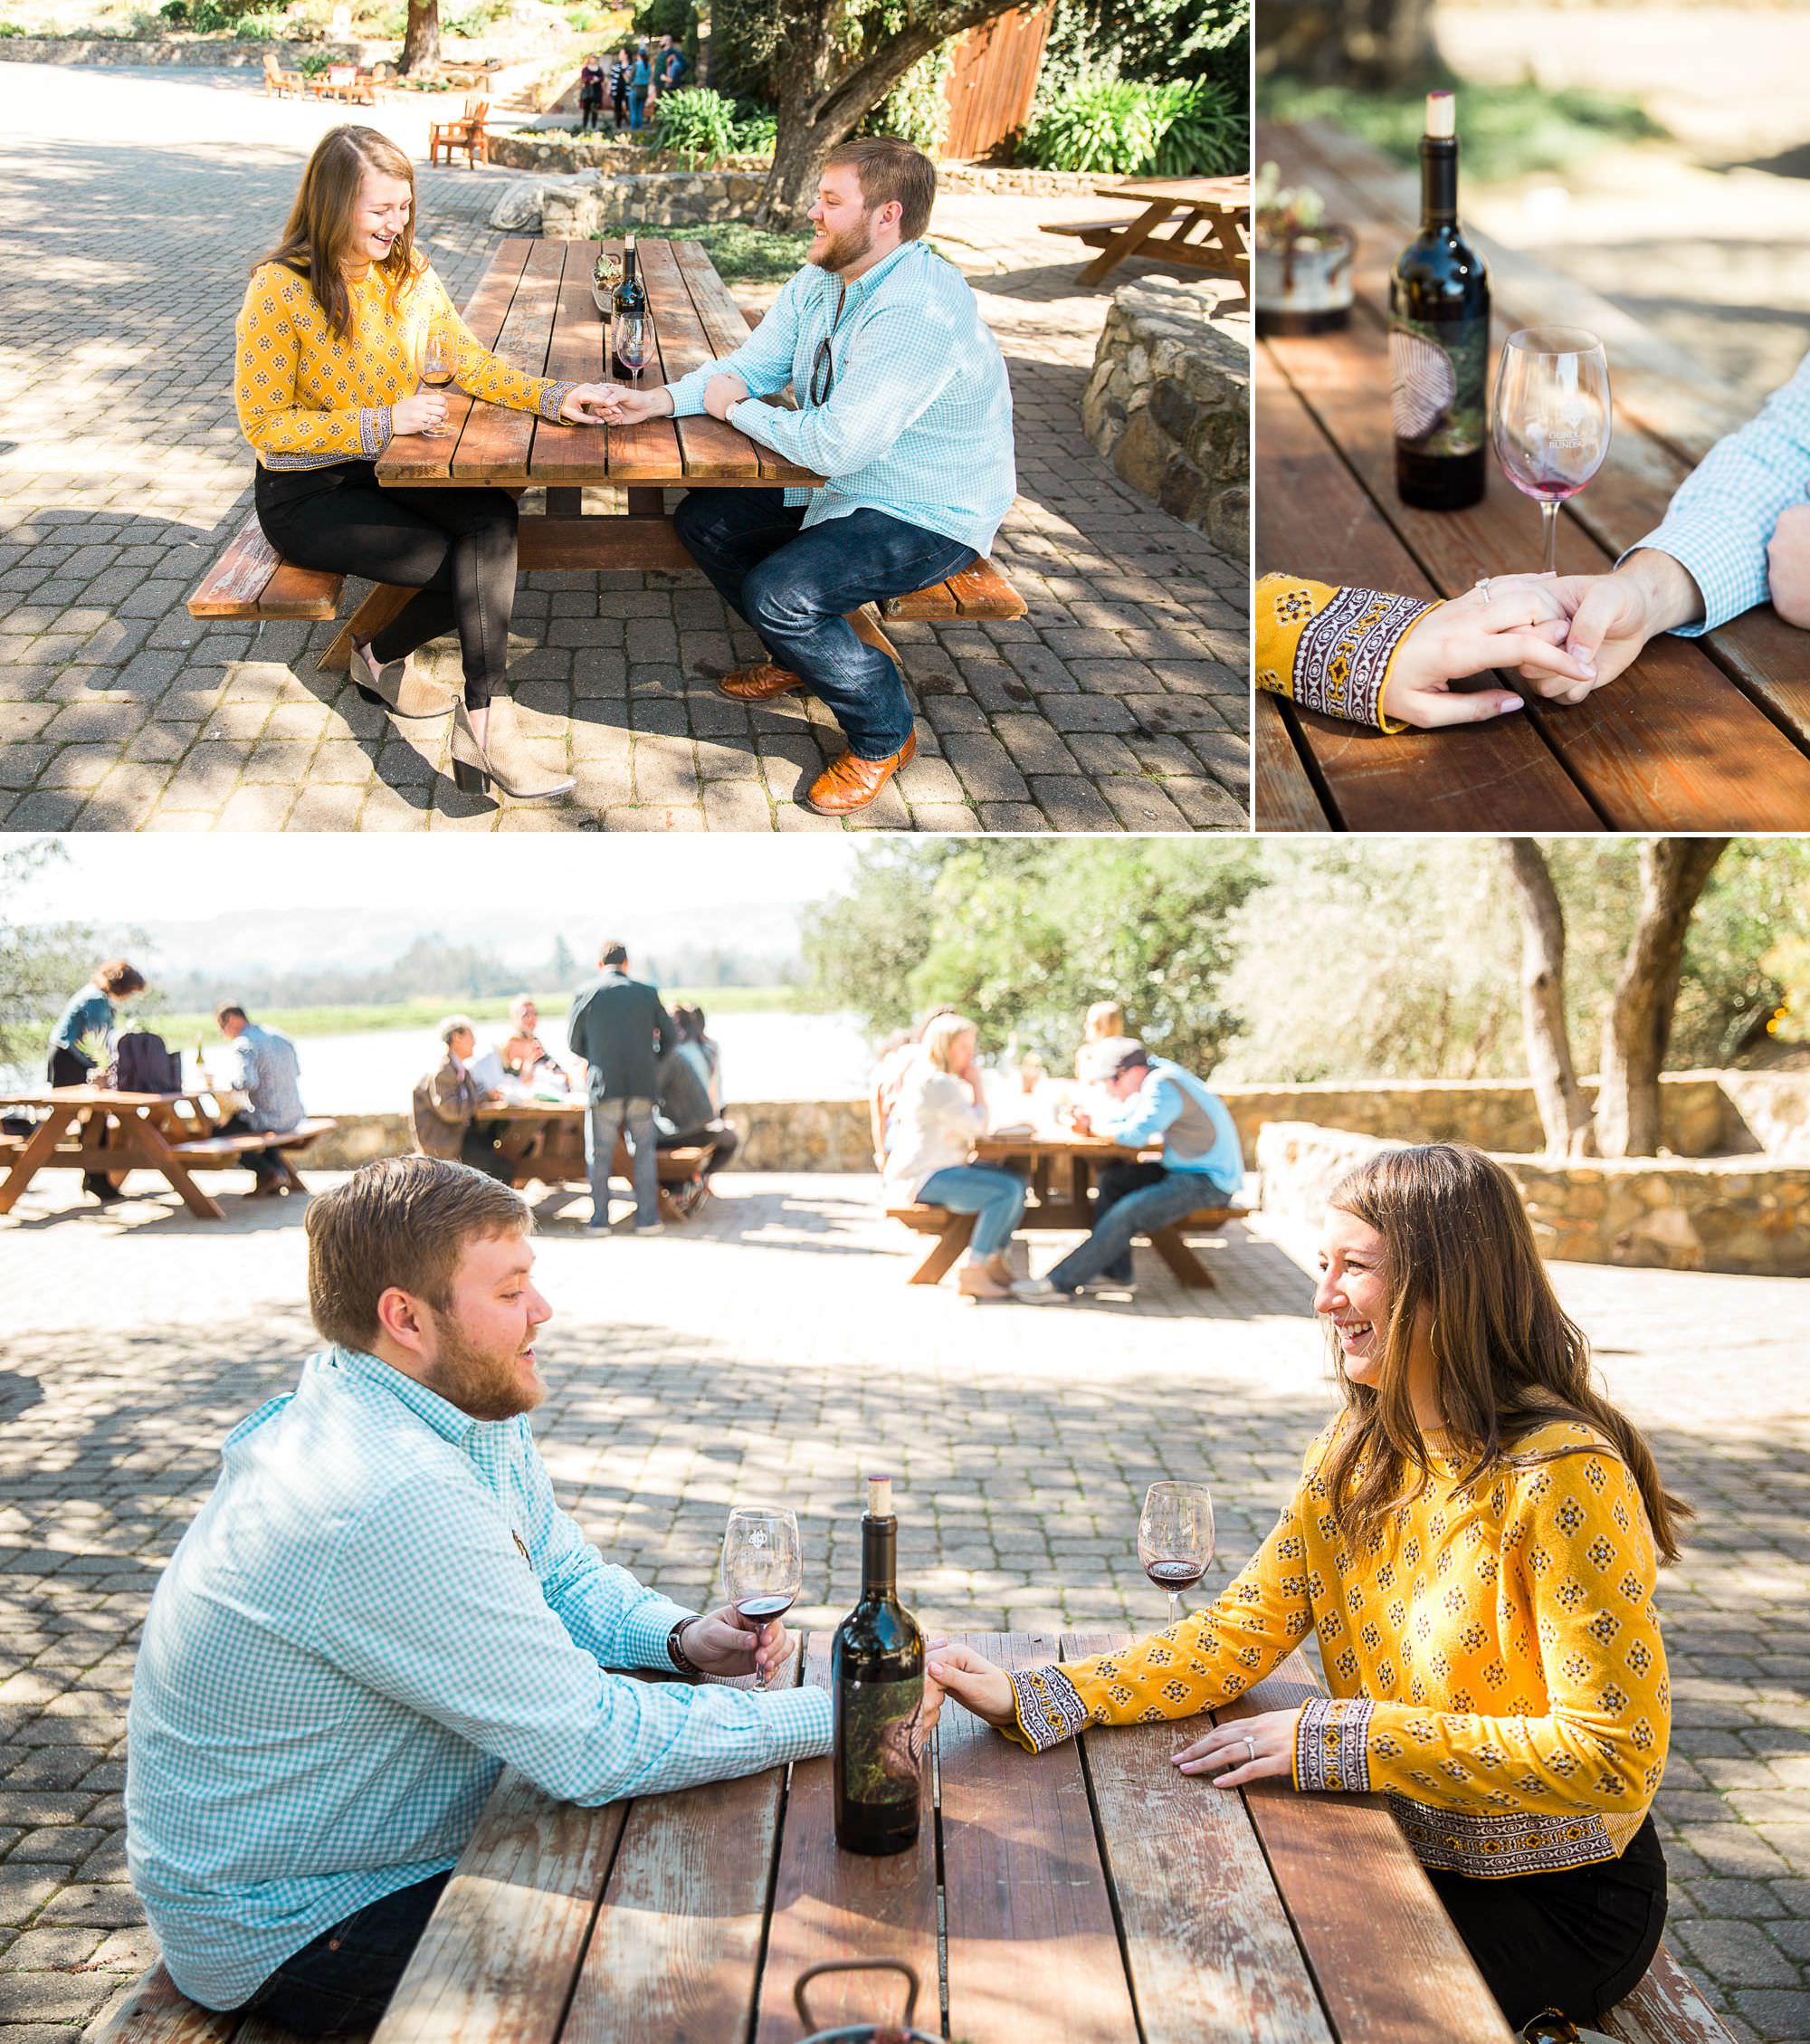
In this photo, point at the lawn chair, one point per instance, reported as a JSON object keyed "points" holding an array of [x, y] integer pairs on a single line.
{"points": [[466, 133], [278, 82]]}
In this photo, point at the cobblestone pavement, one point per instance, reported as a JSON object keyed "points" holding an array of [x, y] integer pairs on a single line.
{"points": [[134, 204], [743, 1357]]}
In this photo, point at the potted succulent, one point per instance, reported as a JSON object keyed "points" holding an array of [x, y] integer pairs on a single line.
{"points": [[1302, 260]]}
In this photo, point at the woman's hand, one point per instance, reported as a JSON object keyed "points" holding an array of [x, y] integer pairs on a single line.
{"points": [[973, 1681], [589, 404], [1516, 621], [616, 404], [425, 412], [1250, 1747]]}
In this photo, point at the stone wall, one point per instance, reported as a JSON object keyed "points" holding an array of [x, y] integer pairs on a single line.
{"points": [[227, 54], [1750, 1217], [1169, 402]]}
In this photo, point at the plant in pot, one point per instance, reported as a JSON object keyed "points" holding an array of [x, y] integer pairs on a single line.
{"points": [[1302, 260]]}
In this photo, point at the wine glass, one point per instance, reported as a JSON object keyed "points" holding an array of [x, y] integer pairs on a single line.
{"points": [[436, 358], [1175, 1537], [762, 1566], [1552, 418], [631, 342]]}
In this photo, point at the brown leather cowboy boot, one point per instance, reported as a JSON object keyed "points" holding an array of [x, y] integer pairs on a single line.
{"points": [[849, 784], [760, 683]]}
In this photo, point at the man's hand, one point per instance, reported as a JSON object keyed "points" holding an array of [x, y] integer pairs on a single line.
{"points": [[425, 412], [616, 404], [1270, 1750], [587, 405], [972, 1680], [723, 393], [1787, 565], [722, 1643], [1614, 615], [1516, 621]]}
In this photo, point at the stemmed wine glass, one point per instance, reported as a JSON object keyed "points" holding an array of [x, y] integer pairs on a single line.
{"points": [[436, 358], [631, 342], [762, 1566], [1175, 1537], [1552, 418]]}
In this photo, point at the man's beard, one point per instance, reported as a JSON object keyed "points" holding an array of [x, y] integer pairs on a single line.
{"points": [[847, 248], [481, 1382]]}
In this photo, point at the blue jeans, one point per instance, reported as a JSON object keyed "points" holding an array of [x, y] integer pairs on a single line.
{"points": [[605, 1121], [637, 106], [345, 1979], [1133, 1199], [995, 1198], [796, 587]]}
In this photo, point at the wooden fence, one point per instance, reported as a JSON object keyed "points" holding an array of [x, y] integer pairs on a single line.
{"points": [[993, 81]]}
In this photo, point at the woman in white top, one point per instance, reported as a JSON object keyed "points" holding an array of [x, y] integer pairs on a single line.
{"points": [[938, 1114]]}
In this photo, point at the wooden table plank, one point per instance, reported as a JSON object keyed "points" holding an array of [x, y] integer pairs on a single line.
{"points": [[1286, 797], [829, 1905], [494, 447], [412, 458], [575, 354], [498, 1958], [725, 327], [1313, 519], [1025, 1895], [1345, 1870], [1213, 1958], [648, 451], [712, 449]]}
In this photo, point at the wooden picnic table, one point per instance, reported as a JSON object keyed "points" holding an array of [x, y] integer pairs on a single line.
{"points": [[1707, 734], [1089, 1895], [544, 1143], [98, 1129], [1216, 209]]}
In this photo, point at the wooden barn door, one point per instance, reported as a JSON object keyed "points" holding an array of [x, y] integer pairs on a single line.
{"points": [[994, 81]]}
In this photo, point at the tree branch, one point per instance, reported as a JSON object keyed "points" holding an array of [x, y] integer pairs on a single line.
{"points": [[1564, 1113]]}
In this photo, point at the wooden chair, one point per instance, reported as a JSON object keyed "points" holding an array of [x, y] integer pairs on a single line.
{"points": [[466, 133], [279, 81]]}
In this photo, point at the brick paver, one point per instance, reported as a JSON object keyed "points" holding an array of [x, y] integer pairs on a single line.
{"points": [[772, 1349], [134, 205]]}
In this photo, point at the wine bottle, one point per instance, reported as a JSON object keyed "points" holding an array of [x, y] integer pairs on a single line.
{"points": [[629, 299], [877, 1678], [1439, 337]]}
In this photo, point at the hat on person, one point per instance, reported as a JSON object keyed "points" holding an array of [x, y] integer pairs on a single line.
{"points": [[1119, 1053]]}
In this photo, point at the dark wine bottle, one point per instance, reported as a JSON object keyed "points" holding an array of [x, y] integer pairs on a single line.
{"points": [[1439, 337], [877, 1678], [629, 296]]}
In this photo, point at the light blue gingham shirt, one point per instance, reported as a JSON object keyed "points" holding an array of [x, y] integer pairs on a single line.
{"points": [[1721, 516], [379, 1605], [919, 422]]}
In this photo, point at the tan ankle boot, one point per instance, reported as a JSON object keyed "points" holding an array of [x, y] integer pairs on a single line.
{"points": [[397, 686], [977, 1280], [502, 760]]}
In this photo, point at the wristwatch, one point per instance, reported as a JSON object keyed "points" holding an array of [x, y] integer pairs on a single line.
{"points": [[675, 1648]]}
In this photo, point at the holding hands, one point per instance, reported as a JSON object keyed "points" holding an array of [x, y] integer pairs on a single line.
{"points": [[1515, 621]]}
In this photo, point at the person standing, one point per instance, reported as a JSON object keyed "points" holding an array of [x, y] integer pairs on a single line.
{"points": [[446, 1102], [639, 78], [266, 1066], [84, 1027], [621, 70], [1202, 1161], [671, 65], [621, 1030], [590, 94]]}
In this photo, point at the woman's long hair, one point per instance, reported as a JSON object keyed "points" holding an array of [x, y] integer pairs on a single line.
{"points": [[941, 1034], [319, 229], [1458, 1244]]}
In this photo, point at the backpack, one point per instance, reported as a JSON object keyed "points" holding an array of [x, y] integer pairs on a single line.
{"points": [[144, 1062]]}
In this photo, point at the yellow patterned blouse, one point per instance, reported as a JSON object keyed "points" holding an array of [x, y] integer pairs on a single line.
{"points": [[1331, 649], [1494, 1657], [307, 399]]}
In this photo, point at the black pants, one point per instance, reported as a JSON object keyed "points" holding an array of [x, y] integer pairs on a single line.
{"points": [[478, 1147], [620, 108], [720, 1138], [1576, 1941], [262, 1164], [345, 1979], [456, 546], [66, 1069]]}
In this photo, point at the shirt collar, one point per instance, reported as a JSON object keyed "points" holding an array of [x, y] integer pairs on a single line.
{"points": [[865, 284], [441, 1414]]}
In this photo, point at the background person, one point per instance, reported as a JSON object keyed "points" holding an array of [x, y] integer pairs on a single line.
{"points": [[590, 94], [86, 1025], [446, 1104], [689, 1108], [522, 1052], [640, 80], [938, 1115], [1475, 1539], [621, 69], [620, 1029], [1104, 1024], [265, 1064]]}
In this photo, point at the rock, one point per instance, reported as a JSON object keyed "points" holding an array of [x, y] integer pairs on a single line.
{"points": [[519, 208]]}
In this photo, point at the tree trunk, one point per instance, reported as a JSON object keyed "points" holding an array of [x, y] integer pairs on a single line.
{"points": [[1564, 1111], [1673, 873], [1360, 42], [421, 44]]}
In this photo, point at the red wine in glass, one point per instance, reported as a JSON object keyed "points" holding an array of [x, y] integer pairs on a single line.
{"points": [[1175, 1537], [763, 1610], [1174, 1575], [1553, 418], [762, 1566]]}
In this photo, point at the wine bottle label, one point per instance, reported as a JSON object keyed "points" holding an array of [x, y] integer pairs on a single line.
{"points": [[882, 1738], [1437, 374]]}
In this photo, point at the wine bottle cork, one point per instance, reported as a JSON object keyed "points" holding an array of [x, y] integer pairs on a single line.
{"points": [[880, 1497], [1442, 116]]}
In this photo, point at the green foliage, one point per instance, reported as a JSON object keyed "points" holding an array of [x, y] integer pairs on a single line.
{"points": [[655, 18], [10, 28], [697, 122], [41, 964], [756, 129], [258, 28], [744, 48], [916, 110], [1023, 937], [175, 11], [1101, 122], [740, 253], [314, 63], [1153, 40]]}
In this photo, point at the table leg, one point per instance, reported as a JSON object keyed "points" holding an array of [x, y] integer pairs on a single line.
{"points": [[1168, 1245], [159, 1157], [34, 1156], [949, 1245], [384, 603], [1128, 243], [564, 504]]}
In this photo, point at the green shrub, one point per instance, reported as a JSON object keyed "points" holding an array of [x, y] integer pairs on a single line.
{"points": [[1208, 133], [738, 253], [1187, 127], [756, 129], [676, 18], [10, 28], [696, 122], [314, 63], [175, 11], [258, 28], [915, 110]]}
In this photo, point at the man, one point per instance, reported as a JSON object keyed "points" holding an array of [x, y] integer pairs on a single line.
{"points": [[670, 66], [904, 405], [446, 1102], [1202, 1162], [380, 1604], [265, 1064], [620, 1029], [1736, 533]]}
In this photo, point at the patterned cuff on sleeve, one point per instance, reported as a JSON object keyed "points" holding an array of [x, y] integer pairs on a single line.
{"points": [[1342, 657], [1330, 1743], [1049, 1708], [375, 430], [552, 396]]}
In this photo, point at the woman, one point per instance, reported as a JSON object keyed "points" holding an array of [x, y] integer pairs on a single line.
{"points": [[638, 79], [1105, 1023], [83, 1029], [939, 1112], [327, 341], [590, 94], [1473, 1540], [1390, 661], [523, 1054]]}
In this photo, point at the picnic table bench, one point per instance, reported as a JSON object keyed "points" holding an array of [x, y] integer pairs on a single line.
{"points": [[1216, 209], [534, 308], [1086, 1895], [544, 1143], [1698, 734], [1061, 1196], [98, 1129]]}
